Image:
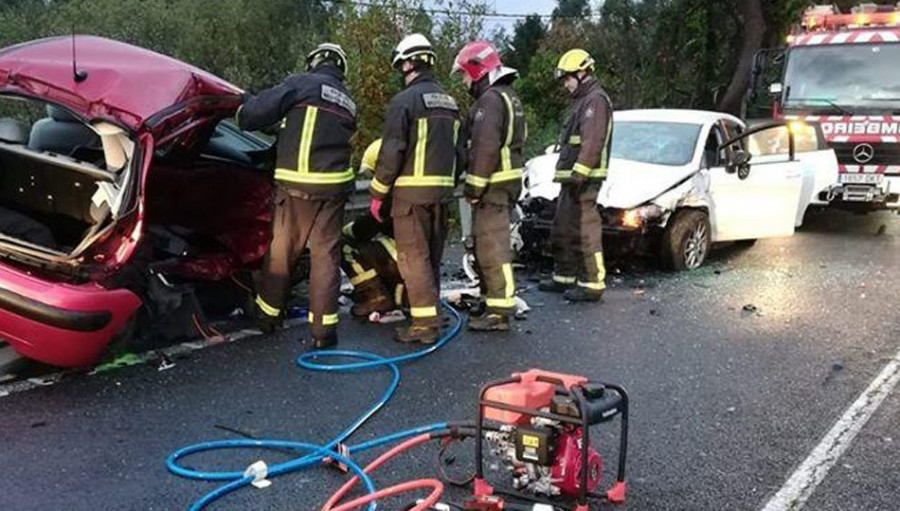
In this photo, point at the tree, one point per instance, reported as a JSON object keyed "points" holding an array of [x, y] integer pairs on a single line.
{"points": [[572, 9], [526, 40]]}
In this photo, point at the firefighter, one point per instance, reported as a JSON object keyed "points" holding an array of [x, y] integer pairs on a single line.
{"points": [[583, 159], [416, 167], [496, 134], [370, 256], [316, 116]]}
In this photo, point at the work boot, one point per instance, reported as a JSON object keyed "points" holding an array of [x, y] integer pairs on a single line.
{"points": [[412, 333], [330, 340], [380, 304], [552, 286], [583, 294], [490, 323], [266, 323]]}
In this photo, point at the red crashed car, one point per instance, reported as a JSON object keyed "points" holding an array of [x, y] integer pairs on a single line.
{"points": [[124, 191]]}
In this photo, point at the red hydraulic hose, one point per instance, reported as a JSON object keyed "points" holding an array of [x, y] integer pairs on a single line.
{"points": [[437, 487]]}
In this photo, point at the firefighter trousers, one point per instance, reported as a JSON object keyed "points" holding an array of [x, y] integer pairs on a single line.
{"points": [[299, 223], [493, 256], [420, 230], [577, 238]]}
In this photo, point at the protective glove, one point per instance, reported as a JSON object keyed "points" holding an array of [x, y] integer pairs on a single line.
{"points": [[375, 209]]}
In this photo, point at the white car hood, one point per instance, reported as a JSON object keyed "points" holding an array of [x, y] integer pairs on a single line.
{"points": [[629, 183], [632, 183]]}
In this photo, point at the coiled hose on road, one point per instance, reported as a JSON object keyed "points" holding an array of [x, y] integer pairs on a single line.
{"points": [[310, 454]]}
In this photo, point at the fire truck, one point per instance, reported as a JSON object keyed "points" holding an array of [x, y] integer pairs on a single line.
{"points": [[842, 71]]}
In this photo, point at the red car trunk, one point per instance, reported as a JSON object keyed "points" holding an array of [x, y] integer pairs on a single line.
{"points": [[168, 107]]}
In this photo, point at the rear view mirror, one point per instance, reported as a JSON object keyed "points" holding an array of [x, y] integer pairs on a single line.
{"points": [[776, 89]]}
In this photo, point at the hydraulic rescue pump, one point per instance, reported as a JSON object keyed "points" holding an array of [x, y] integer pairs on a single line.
{"points": [[541, 433]]}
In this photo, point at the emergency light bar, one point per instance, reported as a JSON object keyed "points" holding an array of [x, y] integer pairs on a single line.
{"points": [[829, 17]]}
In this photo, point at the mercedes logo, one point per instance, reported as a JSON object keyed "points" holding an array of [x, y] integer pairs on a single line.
{"points": [[863, 153]]}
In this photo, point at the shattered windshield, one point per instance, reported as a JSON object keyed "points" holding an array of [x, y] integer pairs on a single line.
{"points": [[839, 77], [658, 143]]}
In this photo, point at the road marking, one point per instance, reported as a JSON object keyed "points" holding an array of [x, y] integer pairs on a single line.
{"points": [[803, 482]]}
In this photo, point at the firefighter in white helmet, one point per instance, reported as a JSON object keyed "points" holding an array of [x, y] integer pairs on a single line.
{"points": [[416, 167]]}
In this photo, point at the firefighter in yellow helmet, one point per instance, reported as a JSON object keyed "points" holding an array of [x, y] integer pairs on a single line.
{"points": [[584, 144]]}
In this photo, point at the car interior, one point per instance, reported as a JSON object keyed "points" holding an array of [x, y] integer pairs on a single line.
{"points": [[51, 172]]}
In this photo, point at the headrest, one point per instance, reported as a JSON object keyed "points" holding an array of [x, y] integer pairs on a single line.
{"points": [[60, 114], [13, 131]]}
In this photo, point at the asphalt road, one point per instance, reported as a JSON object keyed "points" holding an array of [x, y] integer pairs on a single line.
{"points": [[727, 399]]}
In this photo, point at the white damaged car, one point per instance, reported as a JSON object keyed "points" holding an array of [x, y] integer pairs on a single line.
{"points": [[681, 180]]}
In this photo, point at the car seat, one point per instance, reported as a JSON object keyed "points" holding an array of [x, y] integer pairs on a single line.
{"points": [[61, 133]]}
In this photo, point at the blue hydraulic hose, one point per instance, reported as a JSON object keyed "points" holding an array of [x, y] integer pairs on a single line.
{"points": [[316, 454]]}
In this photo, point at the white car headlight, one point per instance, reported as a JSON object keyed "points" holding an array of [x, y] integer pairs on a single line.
{"points": [[636, 217]]}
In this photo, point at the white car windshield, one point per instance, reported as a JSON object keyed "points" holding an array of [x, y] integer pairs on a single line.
{"points": [[658, 143]]}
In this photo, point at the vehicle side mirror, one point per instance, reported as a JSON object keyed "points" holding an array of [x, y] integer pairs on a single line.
{"points": [[776, 89], [739, 163]]}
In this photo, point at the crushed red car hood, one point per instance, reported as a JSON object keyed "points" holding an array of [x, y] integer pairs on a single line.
{"points": [[125, 84]]}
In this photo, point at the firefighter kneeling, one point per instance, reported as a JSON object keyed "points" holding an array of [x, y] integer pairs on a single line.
{"points": [[370, 256]]}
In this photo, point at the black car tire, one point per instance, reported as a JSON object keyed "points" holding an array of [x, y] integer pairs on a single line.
{"points": [[686, 241]]}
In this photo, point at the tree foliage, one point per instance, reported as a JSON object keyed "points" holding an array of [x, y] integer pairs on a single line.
{"points": [[649, 53]]}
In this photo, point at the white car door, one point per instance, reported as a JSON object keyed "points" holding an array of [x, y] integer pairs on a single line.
{"points": [[761, 200], [820, 165]]}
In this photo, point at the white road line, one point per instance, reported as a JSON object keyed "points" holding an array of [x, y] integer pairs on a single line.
{"points": [[803, 482]]}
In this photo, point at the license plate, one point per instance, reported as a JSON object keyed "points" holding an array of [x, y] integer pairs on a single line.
{"points": [[869, 179]]}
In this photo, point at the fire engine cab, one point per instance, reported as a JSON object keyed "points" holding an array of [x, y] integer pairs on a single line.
{"points": [[842, 71]]}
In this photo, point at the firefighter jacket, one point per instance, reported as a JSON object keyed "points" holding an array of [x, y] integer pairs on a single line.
{"points": [[317, 117], [496, 133], [420, 150], [370, 259], [586, 135]]}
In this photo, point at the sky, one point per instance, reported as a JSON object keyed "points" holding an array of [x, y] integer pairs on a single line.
{"points": [[516, 7]]}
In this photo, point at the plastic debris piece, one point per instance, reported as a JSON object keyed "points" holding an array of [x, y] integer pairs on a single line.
{"points": [[388, 317], [165, 363], [128, 359], [259, 471]]}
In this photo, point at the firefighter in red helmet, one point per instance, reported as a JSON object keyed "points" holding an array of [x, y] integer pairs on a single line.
{"points": [[496, 132]]}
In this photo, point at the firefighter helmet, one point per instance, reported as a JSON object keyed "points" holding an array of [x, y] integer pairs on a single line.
{"points": [[573, 61], [325, 52], [414, 47], [476, 59]]}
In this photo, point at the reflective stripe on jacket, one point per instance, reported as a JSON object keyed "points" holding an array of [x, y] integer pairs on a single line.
{"points": [[586, 136], [497, 132], [317, 117], [419, 150]]}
